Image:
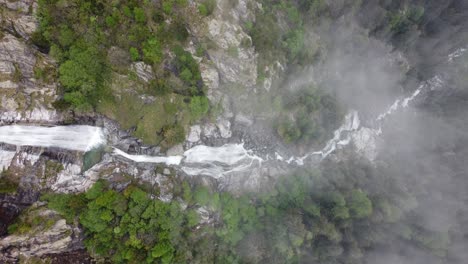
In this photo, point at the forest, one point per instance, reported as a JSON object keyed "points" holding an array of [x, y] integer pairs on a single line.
{"points": [[310, 216], [408, 202]]}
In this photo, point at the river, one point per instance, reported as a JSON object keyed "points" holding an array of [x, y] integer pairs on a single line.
{"points": [[205, 160]]}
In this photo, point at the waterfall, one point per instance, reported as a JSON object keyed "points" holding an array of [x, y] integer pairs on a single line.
{"points": [[80, 138], [204, 160]]}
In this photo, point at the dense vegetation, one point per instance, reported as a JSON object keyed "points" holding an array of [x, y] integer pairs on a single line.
{"points": [[307, 217], [95, 43], [307, 115], [301, 33]]}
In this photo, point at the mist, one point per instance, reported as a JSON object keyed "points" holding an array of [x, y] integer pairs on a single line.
{"points": [[249, 131]]}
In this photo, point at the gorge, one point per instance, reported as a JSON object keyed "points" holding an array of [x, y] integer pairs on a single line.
{"points": [[246, 131]]}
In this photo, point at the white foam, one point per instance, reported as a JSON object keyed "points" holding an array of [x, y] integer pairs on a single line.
{"points": [[81, 138], [459, 52], [171, 160], [228, 154], [6, 157]]}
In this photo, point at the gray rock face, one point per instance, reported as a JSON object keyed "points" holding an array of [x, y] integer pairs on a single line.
{"points": [[236, 63], [194, 135], [234, 59], [143, 71], [22, 6], [58, 238], [15, 52], [23, 98], [365, 141]]}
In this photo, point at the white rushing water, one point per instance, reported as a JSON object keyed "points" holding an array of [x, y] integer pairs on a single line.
{"points": [[218, 161], [457, 53], [80, 138], [171, 160], [204, 160], [213, 161]]}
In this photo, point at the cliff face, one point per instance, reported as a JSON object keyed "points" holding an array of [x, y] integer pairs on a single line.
{"points": [[27, 84], [39, 231], [230, 71]]}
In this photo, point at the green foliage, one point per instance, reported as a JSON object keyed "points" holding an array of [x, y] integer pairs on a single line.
{"points": [[82, 76], [52, 168], [202, 9], [202, 196], [32, 221], [92, 39], [207, 7], [173, 134], [7, 183], [152, 52], [139, 15], [307, 115], [306, 216], [159, 87], [67, 205], [187, 67], [123, 226], [359, 204], [288, 132], [134, 54], [274, 37], [401, 21], [199, 106]]}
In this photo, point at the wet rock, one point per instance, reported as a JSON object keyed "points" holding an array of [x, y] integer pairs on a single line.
{"points": [[224, 127], [210, 130], [244, 120], [365, 141], [176, 150], [194, 135]]}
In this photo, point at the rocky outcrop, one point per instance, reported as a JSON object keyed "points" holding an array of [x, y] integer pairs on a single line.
{"points": [[27, 84], [233, 55], [23, 97], [143, 71], [51, 236]]}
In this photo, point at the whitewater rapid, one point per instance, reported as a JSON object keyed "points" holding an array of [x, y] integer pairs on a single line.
{"points": [[215, 161]]}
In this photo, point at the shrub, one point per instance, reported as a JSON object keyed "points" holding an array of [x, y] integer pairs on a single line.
{"points": [[288, 131], [359, 204], [209, 6], [203, 10], [7, 185], [111, 21], [159, 87], [186, 75], [188, 68], [134, 54], [140, 15], [199, 106], [66, 37], [399, 22], [152, 51], [174, 134], [178, 31]]}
